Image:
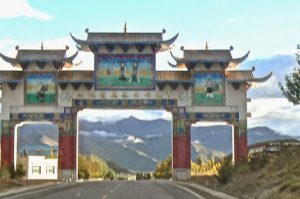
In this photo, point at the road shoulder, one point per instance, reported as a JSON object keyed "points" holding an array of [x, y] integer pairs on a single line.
{"points": [[205, 191]]}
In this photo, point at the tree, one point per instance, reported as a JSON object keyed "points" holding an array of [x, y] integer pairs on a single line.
{"points": [[292, 87], [164, 168]]}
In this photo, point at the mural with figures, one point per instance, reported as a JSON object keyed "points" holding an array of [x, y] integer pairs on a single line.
{"points": [[40, 89], [129, 72], [209, 89]]}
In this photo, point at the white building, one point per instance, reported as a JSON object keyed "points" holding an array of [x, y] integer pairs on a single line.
{"points": [[41, 168]]}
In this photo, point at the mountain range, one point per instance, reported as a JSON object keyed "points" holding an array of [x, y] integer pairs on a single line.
{"points": [[136, 144]]}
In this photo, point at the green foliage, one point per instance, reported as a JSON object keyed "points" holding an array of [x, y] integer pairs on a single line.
{"points": [[292, 87], [9, 172], [258, 161], [91, 166], [4, 173], [20, 171], [164, 168], [199, 160], [226, 170], [143, 176]]}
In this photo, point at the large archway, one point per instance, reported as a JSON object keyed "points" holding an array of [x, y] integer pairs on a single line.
{"points": [[125, 77]]}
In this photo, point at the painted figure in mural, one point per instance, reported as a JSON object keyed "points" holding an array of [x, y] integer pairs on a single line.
{"points": [[210, 88], [122, 72], [134, 76], [41, 92]]}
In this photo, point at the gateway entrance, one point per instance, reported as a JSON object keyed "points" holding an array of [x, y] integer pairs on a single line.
{"points": [[125, 77]]}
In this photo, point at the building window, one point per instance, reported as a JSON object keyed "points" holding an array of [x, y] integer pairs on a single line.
{"points": [[50, 169], [36, 169]]}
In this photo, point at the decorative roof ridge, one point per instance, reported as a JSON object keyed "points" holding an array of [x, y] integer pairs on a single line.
{"points": [[125, 33], [245, 70], [206, 49]]}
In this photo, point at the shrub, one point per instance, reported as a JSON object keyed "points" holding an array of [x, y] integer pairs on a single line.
{"points": [[226, 170], [164, 168], [91, 166], [258, 161], [4, 173], [17, 173], [20, 172], [83, 174]]}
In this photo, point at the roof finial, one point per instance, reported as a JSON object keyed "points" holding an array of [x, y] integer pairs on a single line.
{"points": [[125, 27], [206, 46], [42, 45]]}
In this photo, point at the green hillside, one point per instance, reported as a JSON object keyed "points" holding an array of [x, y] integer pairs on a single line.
{"points": [[263, 176]]}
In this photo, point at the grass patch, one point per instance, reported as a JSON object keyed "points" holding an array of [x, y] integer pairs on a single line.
{"points": [[201, 99], [32, 98], [115, 81]]}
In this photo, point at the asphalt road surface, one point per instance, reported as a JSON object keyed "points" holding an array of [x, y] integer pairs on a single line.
{"points": [[120, 190]]}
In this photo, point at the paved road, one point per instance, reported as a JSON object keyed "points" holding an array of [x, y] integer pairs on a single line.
{"points": [[120, 190]]}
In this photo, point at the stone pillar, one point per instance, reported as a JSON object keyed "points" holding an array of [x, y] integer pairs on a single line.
{"points": [[7, 143], [181, 148], [67, 148], [240, 145]]}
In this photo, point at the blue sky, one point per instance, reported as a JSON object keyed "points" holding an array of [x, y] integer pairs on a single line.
{"points": [[269, 28]]}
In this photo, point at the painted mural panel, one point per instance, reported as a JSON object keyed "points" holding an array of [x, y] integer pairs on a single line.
{"points": [[209, 89], [40, 89], [129, 72]]}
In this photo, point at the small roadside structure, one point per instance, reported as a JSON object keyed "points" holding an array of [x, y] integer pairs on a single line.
{"points": [[39, 167]]}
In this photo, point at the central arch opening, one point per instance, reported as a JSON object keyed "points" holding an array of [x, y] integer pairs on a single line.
{"points": [[128, 140]]}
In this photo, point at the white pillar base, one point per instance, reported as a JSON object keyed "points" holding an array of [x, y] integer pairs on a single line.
{"points": [[181, 174], [67, 175]]}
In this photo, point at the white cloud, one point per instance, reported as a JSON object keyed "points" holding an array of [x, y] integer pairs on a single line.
{"points": [[93, 115], [21, 8], [153, 135], [134, 140], [276, 113], [104, 134]]}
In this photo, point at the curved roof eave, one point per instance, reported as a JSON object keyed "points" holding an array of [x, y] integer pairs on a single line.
{"points": [[10, 60], [81, 44], [257, 80], [234, 62], [262, 79], [177, 59], [170, 41], [71, 58]]}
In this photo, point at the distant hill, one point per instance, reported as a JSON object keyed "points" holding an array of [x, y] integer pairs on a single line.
{"points": [[138, 144]]}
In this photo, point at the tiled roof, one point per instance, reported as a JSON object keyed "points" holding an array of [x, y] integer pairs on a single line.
{"points": [[41, 55], [207, 55], [75, 76], [239, 75], [173, 76], [11, 76], [124, 38]]}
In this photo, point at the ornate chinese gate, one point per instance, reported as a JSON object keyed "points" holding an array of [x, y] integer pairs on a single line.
{"points": [[125, 77]]}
